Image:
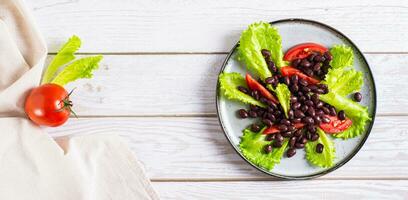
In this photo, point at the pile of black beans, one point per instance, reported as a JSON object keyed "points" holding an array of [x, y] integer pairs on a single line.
{"points": [[315, 64], [305, 105]]}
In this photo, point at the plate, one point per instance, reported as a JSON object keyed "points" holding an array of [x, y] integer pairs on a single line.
{"points": [[295, 31]]}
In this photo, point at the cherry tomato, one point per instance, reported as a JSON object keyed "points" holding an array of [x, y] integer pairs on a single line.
{"points": [[335, 125], [303, 50], [290, 71], [254, 85], [48, 105], [274, 129]]}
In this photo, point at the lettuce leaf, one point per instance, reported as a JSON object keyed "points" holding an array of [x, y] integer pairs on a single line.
{"points": [[260, 36], [252, 147], [344, 81], [356, 112], [283, 93], [324, 159], [81, 68], [342, 56], [64, 56], [229, 83]]}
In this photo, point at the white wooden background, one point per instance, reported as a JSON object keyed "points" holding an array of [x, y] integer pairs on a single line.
{"points": [[157, 82]]}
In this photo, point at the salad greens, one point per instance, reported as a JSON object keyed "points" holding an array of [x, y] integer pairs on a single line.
{"points": [[252, 147], [228, 85], [81, 68], [324, 159], [283, 93], [260, 36], [342, 81]]}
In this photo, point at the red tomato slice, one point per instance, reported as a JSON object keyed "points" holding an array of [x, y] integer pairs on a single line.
{"points": [[303, 50], [254, 85], [274, 129], [290, 71], [335, 125]]}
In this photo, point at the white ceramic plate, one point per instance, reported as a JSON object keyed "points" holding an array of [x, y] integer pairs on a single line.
{"points": [[295, 31]]}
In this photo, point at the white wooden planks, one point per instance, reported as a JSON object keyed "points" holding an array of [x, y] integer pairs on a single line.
{"points": [[211, 25]]}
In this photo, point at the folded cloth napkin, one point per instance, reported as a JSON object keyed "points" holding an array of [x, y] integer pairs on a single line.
{"points": [[32, 165]]}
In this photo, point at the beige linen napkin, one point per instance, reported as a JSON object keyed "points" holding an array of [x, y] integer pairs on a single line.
{"points": [[32, 166]]}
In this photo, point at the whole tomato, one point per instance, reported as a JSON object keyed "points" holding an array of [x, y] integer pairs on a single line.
{"points": [[48, 105]]}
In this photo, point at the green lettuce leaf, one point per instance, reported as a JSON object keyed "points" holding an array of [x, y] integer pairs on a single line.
{"points": [[356, 112], [252, 147], [64, 56], [344, 81], [229, 83], [324, 159], [283, 93], [260, 36], [342, 56], [81, 68]]}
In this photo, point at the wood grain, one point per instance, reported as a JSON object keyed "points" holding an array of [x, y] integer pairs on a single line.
{"points": [[211, 25], [140, 85], [305, 190], [184, 148]]}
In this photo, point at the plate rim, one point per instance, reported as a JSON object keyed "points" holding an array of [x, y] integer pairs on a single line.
{"points": [[338, 165]]}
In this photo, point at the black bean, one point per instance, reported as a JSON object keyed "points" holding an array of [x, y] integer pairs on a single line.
{"points": [[291, 152], [317, 119], [294, 88], [311, 57], [272, 105], [272, 67], [242, 113], [333, 111], [286, 80], [328, 56], [255, 94], [270, 137], [309, 136], [266, 52], [296, 120], [303, 141], [311, 111], [306, 89], [291, 114], [291, 128], [302, 99], [303, 82], [299, 145], [298, 133], [277, 113], [252, 114], [296, 105], [278, 137], [316, 67], [312, 87], [243, 89], [318, 58], [283, 127], [309, 103], [268, 148], [319, 104], [296, 62], [267, 122], [308, 72], [311, 129], [320, 91], [271, 117], [253, 107], [269, 80], [263, 100], [304, 108], [326, 110], [308, 120], [314, 137], [255, 128], [305, 63], [341, 115], [325, 119], [319, 148], [300, 94], [299, 114], [319, 112], [285, 122], [287, 134], [315, 98], [358, 96], [294, 79], [322, 86], [293, 99], [277, 143]]}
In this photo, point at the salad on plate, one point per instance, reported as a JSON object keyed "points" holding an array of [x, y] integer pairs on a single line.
{"points": [[300, 99]]}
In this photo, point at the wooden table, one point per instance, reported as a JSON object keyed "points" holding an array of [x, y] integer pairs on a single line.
{"points": [[156, 88]]}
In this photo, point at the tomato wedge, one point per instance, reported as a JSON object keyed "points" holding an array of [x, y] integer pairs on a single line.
{"points": [[254, 85], [274, 129], [303, 50], [290, 71], [335, 125]]}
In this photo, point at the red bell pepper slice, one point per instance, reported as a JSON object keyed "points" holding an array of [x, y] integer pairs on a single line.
{"points": [[335, 125], [254, 85], [303, 50], [290, 71], [274, 129]]}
